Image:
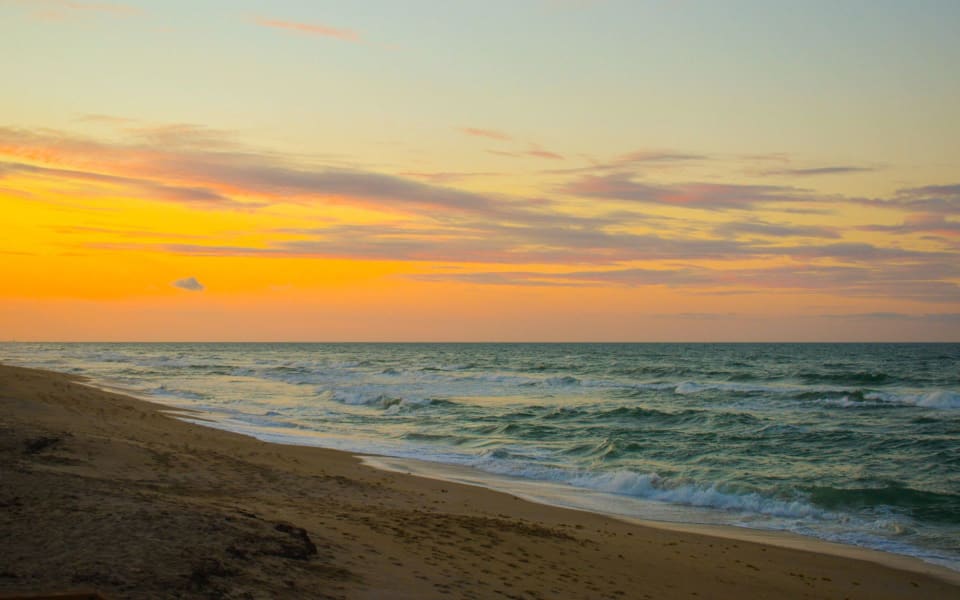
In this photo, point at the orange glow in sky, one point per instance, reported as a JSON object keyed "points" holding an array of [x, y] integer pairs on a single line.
{"points": [[546, 173]]}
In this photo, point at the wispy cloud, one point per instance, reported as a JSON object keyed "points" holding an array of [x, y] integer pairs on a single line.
{"points": [[774, 230], [895, 316], [931, 198], [426, 218], [487, 133], [580, 244], [933, 224], [316, 29], [932, 212], [709, 196], [660, 159], [166, 134], [147, 188], [533, 151], [816, 171], [861, 281], [539, 152], [656, 156], [951, 192], [442, 177], [200, 166], [182, 135]]}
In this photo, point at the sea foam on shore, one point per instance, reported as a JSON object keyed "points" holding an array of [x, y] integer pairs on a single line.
{"points": [[849, 443]]}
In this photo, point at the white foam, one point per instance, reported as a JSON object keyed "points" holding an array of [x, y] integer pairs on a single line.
{"points": [[651, 486], [693, 387], [942, 399], [846, 402], [376, 399]]}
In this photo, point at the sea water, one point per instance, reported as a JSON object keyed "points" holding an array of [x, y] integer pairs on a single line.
{"points": [[853, 443]]}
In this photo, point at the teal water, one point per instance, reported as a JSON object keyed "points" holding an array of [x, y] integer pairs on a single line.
{"points": [[856, 443]]}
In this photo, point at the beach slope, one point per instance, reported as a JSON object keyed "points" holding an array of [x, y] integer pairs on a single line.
{"points": [[100, 491]]}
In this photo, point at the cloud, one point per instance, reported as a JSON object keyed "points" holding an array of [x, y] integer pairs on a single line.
{"points": [[708, 196], [541, 153], [203, 171], [182, 135], [662, 159], [951, 192], [895, 316], [834, 170], [933, 224], [470, 242], [441, 177], [630, 277], [585, 239], [487, 133], [318, 29], [853, 252], [650, 156], [860, 281], [190, 284], [779, 230], [558, 243], [929, 199], [145, 188], [534, 151]]}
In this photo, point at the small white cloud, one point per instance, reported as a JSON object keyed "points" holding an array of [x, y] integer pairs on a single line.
{"points": [[190, 284]]}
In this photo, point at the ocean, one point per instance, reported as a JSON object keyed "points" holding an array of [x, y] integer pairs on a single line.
{"points": [[851, 443]]}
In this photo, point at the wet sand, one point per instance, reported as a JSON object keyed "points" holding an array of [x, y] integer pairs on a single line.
{"points": [[100, 491]]}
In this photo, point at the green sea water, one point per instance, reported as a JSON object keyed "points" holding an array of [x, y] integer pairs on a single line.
{"points": [[856, 443]]}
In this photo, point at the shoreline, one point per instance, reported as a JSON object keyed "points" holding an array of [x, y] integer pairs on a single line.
{"points": [[224, 513], [561, 495], [783, 539]]}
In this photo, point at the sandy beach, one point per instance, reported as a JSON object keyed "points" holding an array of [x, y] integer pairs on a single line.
{"points": [[103, 492]]}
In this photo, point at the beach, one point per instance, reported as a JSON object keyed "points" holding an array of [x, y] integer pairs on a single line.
{"points": [[104, 492]]}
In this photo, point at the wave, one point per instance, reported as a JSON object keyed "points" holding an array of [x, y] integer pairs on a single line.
{"points": [[845, 378], [382, 400], [936, 399], [778, 430], [851, 401], [836, 396], [692, 387], [561, 381], [163, 390], [926, 505], [651, 486], [449, 368], [942, 399]]}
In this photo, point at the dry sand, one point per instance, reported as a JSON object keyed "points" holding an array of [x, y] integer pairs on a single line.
{"points": [[100, 491]]}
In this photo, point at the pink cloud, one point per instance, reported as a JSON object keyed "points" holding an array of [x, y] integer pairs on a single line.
{"points": [[534, 152], [347, 35], [541, 153], [487, 133], [711, 196]]}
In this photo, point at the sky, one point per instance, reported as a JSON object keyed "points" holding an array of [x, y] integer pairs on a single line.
{"points": [[523, 170]]}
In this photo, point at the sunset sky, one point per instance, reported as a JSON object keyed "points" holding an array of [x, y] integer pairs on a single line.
{"points": [[643, 170]]}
